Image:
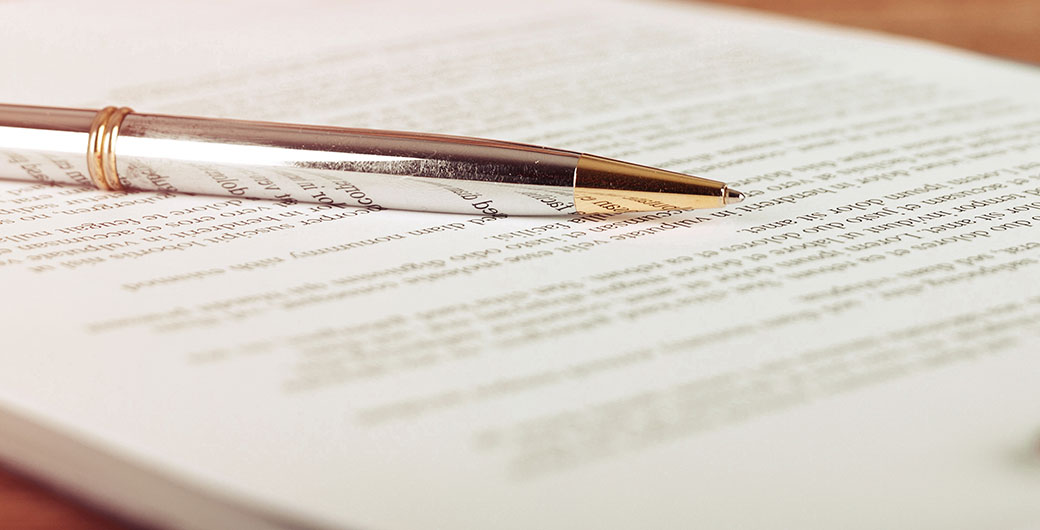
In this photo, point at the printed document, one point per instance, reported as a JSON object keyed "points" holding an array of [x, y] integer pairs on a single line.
{"points": [[853, 346]]}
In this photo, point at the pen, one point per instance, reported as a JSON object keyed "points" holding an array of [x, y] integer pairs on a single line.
{"points": [[118, 149]]}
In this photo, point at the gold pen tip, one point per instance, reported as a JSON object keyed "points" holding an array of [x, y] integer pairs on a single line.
{"points": [[732, 196]]}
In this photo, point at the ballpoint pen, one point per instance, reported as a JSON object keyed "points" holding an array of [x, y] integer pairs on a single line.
{"points": [[118, 149]]}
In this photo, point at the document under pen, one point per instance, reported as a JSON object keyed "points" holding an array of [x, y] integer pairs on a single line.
{"points": [[851, 346]]}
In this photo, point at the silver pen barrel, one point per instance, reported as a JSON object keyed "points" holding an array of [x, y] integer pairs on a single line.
{"points": [[330, 165], [117, 149]]}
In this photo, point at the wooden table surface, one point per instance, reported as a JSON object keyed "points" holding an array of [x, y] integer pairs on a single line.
{"points": [[1007, 28]]}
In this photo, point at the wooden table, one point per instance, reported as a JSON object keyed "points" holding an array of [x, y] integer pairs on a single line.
{"points": [[1008, 28], [1000, 27]]}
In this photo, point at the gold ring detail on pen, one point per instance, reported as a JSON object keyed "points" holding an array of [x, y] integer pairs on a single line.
{"points": [[101, 142], [98, 129]]}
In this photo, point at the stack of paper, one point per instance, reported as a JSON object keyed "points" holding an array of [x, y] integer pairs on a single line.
{"points": [[854, 346]]}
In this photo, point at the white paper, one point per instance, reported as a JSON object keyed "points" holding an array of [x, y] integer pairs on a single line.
{"points": [[853, 346]]}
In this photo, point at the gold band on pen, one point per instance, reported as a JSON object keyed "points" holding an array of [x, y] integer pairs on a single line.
{"points": [[101, 141], [97, 131]]}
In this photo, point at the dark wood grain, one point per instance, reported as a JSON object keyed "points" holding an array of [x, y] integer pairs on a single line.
{"points": [[1006, 28]]}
